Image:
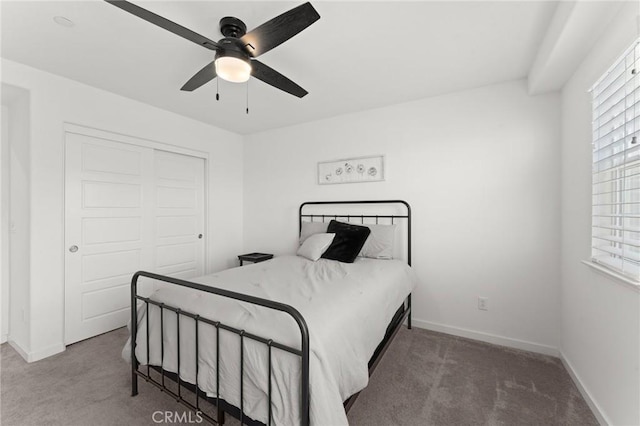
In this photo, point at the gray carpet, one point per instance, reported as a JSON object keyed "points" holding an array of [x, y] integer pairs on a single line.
{"points": [[426, 378]]}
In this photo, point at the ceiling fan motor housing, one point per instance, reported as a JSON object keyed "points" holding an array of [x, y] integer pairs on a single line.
{"points": [[232, 47]]}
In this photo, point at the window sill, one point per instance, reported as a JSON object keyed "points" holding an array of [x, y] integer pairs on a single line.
{"points": [[619, 278]]}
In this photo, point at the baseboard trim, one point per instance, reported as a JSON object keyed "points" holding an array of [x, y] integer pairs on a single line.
{"points": [[46, 352], [39, 354], [593, 405], [488, 337], [15, 345]]}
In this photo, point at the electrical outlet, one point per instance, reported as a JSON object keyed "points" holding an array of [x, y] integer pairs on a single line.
{"points": [[483, 303]]}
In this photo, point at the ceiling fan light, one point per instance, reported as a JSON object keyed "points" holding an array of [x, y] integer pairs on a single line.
{"points": [[233, 69]]}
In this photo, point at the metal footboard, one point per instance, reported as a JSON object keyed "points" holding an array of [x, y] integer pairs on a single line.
{"points": [[302, 352]]}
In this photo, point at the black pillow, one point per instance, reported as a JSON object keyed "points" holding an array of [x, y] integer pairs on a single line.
{"points": [[348, 241]]}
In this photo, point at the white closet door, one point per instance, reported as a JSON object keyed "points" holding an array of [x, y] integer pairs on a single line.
{"points": [[127, 208], [179, 215], [106, 234]]}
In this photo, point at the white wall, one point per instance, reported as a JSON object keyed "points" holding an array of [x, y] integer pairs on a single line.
{"points": [[481, 171], [54, 101], [4, 229], [600, 316], [17, 104]]}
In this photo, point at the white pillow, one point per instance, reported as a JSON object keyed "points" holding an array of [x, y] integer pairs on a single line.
{"points": [[310, 228], [379, 244], [315, 245]]}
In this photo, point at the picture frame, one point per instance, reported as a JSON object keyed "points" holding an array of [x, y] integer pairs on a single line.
{"points": [[352, 170]]}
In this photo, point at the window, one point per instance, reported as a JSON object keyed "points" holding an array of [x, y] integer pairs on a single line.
{"points": [[615, 228]]}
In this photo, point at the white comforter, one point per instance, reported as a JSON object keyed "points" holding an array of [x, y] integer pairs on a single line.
{"points": [[347, 308]]}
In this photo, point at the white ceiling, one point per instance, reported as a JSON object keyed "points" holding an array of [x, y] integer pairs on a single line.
{"points": [[359, 55]]}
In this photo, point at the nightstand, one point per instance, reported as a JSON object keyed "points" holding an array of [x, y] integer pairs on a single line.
{"points": [[254, 257]]}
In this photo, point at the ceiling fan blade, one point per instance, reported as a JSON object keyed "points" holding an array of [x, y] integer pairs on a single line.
{"points": [[280, 29], [165, 23], [275, 79], [203, 76]]}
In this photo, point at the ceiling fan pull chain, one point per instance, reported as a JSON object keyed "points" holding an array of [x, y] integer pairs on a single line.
{"points": [[217, 89], [247, 96]]}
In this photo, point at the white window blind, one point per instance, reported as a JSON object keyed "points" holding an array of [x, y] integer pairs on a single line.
{"points": [[616, 166]]}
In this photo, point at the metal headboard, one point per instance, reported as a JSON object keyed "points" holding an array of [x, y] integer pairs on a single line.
{"points": [[362, 217]]}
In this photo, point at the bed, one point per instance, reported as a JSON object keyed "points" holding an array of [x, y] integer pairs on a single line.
{"points": [[286, 341]]}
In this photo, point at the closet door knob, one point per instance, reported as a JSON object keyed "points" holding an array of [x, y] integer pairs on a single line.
{"points": [[73, 249], [200, 236]]}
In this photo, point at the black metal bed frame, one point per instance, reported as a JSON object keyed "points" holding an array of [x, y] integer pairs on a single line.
{"points": [[404, 312]]}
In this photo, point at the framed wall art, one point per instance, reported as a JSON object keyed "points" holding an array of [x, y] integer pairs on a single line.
{"points": [[351, 170]]}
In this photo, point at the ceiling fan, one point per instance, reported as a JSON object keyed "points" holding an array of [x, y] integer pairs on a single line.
{"points": [[236, 52]]}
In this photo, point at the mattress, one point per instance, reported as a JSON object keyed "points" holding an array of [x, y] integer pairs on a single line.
{"points": [[347, 308]]}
